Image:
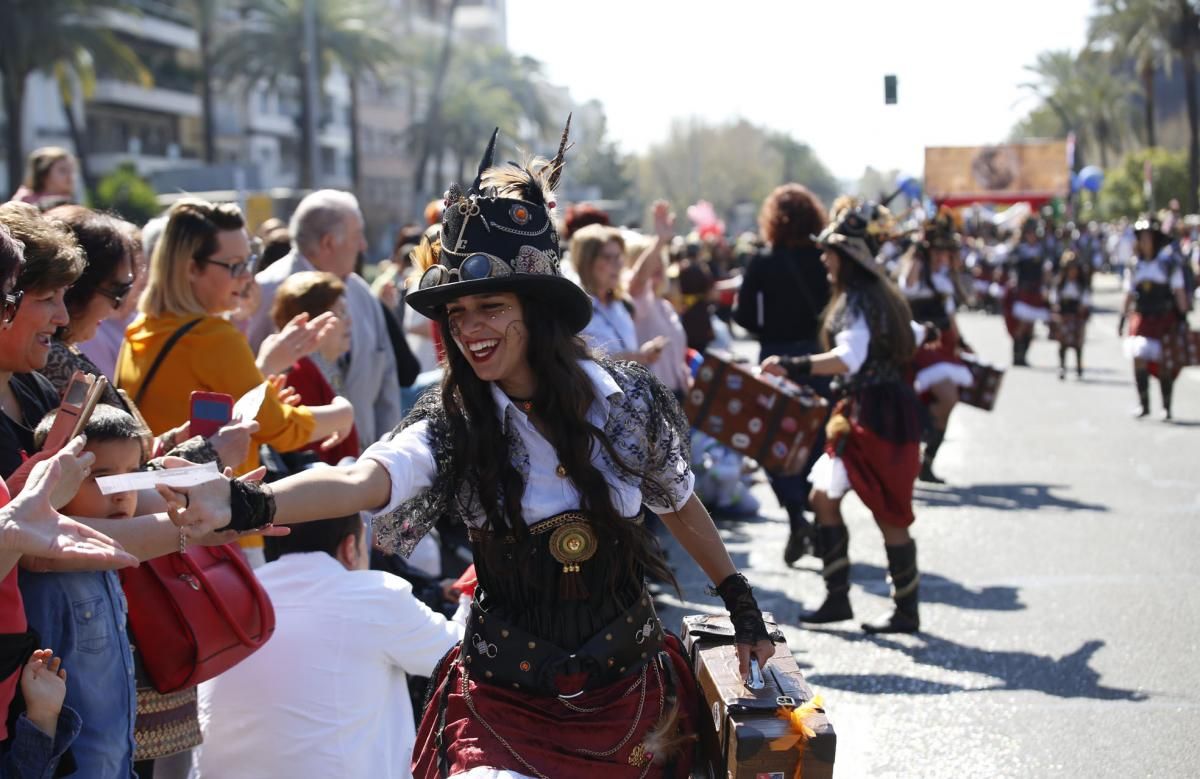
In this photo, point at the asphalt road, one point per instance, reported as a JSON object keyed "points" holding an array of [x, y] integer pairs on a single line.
{"points": [[1060, 590]]}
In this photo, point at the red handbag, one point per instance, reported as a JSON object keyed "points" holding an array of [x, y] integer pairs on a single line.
{"points": [[196, 614]]}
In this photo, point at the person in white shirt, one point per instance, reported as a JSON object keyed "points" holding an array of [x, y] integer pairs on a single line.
{"points": [[327, 696], [327, 235]]}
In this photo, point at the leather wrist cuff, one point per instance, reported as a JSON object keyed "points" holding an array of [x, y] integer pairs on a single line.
{"points": [[747, 619], [251, 505], [798, 366]]}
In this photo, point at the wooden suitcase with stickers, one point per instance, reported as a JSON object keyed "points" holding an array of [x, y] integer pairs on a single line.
{"points": [[767, 418]]}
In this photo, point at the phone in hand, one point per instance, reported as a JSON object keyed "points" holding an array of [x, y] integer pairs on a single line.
{"points": [[210, 412], [80, 399]]}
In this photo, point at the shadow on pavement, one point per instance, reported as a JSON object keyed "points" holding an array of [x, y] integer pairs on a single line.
{"points": [[1069, 676], [936, 588], [1018, 496]]}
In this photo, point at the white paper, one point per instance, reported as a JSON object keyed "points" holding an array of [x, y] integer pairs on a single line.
{"points": [[248, 405], [189, 476]]}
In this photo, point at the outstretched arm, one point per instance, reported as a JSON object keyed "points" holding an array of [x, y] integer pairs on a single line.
{"points": [[322, 493]]}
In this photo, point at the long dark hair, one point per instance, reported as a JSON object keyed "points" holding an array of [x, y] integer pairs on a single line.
{"points": [[894, 332], [562, 398]]}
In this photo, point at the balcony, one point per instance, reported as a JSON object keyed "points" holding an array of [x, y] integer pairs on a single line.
{"points": [[157, 22], [156, 99]]}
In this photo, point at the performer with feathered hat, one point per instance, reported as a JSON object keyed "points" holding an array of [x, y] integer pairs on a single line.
{"points": [[874, 432], [550, 457]]}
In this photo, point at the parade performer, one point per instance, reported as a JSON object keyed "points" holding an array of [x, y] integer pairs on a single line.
{"points": [[550, 457], [1025, 301], [925, 279], [1071, 303], [874, 431], [1155, 290]]}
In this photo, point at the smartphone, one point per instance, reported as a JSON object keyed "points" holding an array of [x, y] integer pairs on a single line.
{"points": [[210, 412], [70, 410]]}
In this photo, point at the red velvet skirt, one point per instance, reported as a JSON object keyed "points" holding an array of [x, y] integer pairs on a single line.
{"points": [[1153, 326], [1030, 296], [600, 733]]}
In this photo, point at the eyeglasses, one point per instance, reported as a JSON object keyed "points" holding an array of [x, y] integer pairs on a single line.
{"points": [[236, 269], [118, 294], [475, 267], [12, 304]]}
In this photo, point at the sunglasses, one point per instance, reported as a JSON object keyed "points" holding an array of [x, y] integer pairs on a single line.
{"points": [[12, 304], [118, 294], [475, 267], [236, 269]]}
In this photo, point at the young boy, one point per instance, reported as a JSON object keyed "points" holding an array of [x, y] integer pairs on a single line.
{"points": [[83, 615]]}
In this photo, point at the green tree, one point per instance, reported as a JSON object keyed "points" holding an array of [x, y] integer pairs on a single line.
{"points": [[726, 164], [63, 39], [1123, 194], [1135, 31], [128, 194], [266, 48]]}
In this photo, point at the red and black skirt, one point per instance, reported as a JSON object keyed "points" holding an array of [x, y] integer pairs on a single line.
{"points": [[1025, 304]]}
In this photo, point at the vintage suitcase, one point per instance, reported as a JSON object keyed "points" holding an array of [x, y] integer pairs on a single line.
{"points": [[765, 418], [1180, 348], [747, 738], [982, 394]]}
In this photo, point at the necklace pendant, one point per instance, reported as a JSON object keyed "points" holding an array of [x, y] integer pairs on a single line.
{"points": [[527, 406], [561, 471]]}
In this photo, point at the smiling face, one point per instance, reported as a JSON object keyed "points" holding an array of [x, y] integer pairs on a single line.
{"points": [[25, 345], [113, 458], [84, 324], [215, 285], [490, 332]]}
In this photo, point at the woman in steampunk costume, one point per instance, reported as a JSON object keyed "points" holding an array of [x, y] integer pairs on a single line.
{"points": [[550, 458], [924, 278], [1156, 292], [874, 432], [1025, 301], [1071, 305]]}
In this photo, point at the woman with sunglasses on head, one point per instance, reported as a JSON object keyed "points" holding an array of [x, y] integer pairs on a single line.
{"points": [[200, 267], [550, 457]]}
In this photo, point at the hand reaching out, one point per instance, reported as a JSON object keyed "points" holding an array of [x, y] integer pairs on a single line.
{"points": [[298, 338], [75, 465], [288, 396], [232, 442], [664, 221], [44, 686]]}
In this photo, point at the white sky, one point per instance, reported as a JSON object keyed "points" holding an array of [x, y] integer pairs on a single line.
{"points": [[812, 68]]}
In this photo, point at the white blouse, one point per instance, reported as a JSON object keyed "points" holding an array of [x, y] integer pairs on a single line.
{"points": [[852, 344], [1157, 271], [611, 330], [409, 461]]}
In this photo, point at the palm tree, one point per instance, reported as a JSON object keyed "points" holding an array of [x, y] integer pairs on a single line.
{"points": [[204, 14], [1182, 27], [353, 34], [428, 133], [1135, 31], [63, 39]]}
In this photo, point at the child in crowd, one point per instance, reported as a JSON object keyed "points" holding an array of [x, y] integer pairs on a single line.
{"points": [[317, 378], [46, 728], [83, 614]]}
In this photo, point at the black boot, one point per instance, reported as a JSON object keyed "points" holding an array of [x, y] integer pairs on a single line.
{"points": [[1142, 379], [834, 543], [1018, 355], [1079, 363], [902, 570], [800, 535], [1167, 385], [933, 442], [1062, 363]]}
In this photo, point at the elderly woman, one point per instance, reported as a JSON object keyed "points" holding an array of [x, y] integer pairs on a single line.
{"points": [[49, 178]]}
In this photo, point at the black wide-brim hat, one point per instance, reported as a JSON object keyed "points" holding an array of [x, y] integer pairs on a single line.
{"points": [[503, 244], [850, 234]]}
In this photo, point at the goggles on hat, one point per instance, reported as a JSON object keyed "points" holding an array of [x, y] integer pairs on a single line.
{"points": [[476, 267]]}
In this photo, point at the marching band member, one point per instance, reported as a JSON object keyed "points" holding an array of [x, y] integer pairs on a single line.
{"points": [[925, 280], [1025, 301], [874, 432], [1071, 301], [1156, 292]]}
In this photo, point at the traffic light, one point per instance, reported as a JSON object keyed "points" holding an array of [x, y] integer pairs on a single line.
{"points": [[889, 90]]}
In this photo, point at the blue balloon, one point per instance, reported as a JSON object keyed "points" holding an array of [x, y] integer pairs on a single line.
{"points": [[909, 186], [1091, 178]]}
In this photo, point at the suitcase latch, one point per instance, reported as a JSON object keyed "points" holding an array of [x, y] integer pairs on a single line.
{"points": [[786, 701]]}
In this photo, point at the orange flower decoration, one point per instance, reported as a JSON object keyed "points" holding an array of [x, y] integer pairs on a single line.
{"points": [[798, 719]]}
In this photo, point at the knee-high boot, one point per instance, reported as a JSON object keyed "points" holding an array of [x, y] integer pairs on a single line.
{"points": [[833, 541], [933, 442], [902, 570], [1142, 378], [1062, 363], [1167, 385]]}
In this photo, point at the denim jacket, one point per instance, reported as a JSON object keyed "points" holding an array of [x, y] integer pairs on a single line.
{"points": [[82, 616], [31, 754]]}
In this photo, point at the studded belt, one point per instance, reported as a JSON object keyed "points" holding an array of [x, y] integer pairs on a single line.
{"points": [[500, 653]]}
